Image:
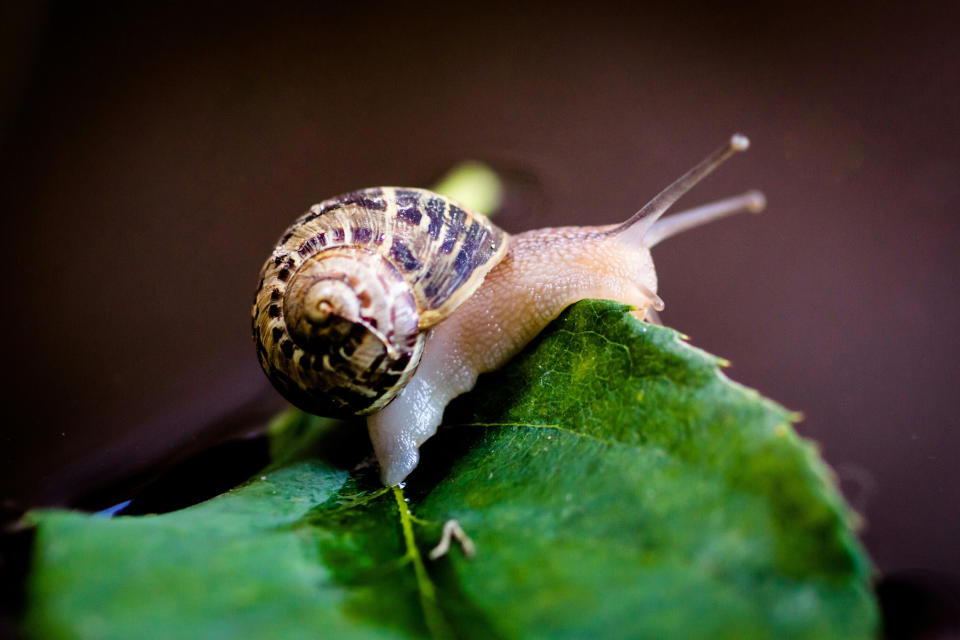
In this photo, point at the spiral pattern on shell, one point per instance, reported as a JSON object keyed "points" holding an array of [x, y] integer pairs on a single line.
{"points": [[344, 300]]}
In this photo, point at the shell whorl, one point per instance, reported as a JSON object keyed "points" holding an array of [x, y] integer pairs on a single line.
{"points": [[343, 301]]}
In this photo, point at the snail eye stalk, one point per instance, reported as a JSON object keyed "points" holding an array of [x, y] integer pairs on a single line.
{"points": [[635, 229]]}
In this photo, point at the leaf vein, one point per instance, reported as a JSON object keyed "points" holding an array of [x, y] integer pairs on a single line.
{"points": [[437, 625], [625, 348], [532, 425]]}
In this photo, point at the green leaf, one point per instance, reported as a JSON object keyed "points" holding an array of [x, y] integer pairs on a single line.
{"points": [[473, 184], [614, 482]]}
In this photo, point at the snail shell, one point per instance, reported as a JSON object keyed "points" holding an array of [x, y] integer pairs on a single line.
{"points": [[344, 300]]}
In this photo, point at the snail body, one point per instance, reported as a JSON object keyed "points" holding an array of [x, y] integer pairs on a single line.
{"points": [[441, 298]]}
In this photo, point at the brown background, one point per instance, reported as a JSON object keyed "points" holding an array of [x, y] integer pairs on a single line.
{"points": [[152, 155]]}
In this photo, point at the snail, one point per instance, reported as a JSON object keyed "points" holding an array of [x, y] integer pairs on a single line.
{"points": [[389, 302]]}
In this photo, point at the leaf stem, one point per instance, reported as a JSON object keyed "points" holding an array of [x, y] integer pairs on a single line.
{"points": [[437, 625]]}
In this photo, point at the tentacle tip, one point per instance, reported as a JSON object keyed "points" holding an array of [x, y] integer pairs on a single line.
{"points": [[756, 202], [739, 142], [655, 301]]}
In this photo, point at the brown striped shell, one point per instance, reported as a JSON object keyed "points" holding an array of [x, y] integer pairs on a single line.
{"points": [[344, 300]]}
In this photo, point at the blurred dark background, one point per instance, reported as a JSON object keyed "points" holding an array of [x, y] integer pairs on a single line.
{"points": [[152, 152]]}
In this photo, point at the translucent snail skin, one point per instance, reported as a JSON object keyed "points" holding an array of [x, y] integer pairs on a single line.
{"points": [[389, 302]]}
